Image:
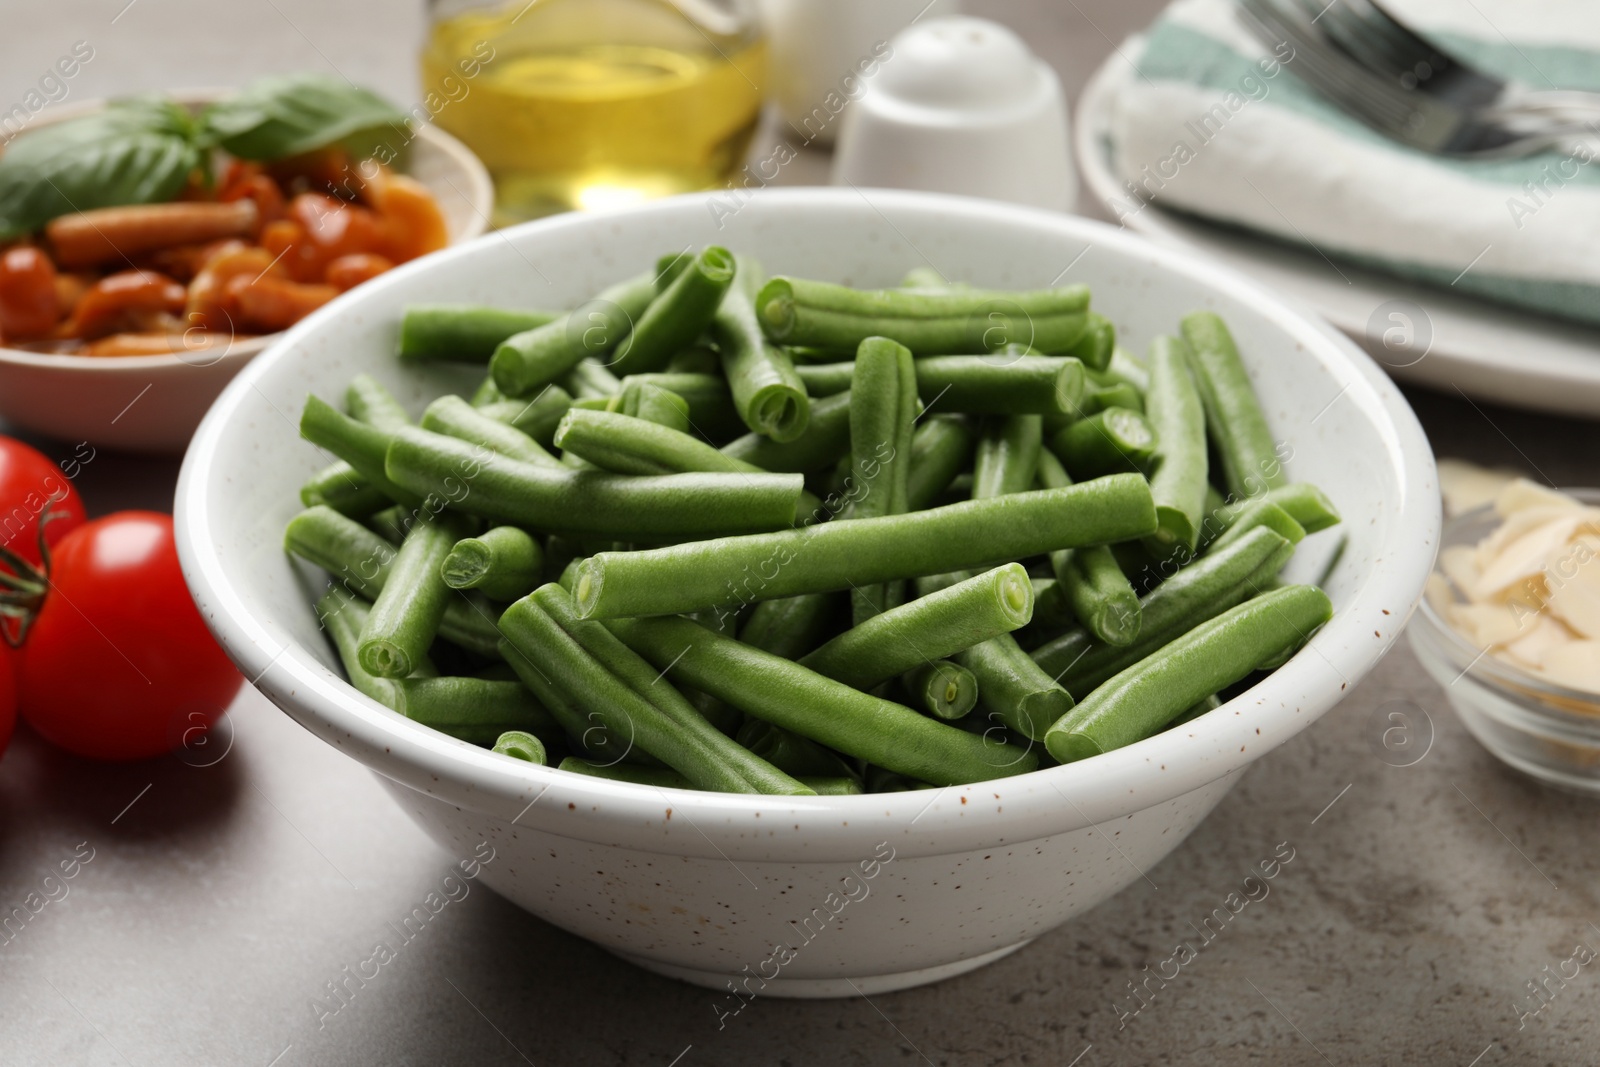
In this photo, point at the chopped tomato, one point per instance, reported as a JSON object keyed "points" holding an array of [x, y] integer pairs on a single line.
{"points": [[267, 303], [128, 300], [29, 304], [413, 224], [347, 272]]}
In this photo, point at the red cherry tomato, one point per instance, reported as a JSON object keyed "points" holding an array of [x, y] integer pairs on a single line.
{"points": [[119, 665], [28, 481]]}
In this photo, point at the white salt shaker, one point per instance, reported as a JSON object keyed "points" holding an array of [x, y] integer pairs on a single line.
{"points": [[821, 52], [961, 106]]}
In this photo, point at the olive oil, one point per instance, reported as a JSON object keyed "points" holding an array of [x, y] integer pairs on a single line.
{"points": [[596, 103]]}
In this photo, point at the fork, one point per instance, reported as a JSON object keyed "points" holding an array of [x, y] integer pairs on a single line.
{"points": [[1424, 121], [1373, 37]]}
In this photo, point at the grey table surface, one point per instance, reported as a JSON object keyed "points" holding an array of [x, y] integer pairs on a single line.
{"points": [[220, 899]]}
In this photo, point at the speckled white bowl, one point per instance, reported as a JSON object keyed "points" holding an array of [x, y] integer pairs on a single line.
{"points": [[773, 892]]}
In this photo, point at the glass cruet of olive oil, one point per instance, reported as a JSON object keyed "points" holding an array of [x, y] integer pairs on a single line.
{"points": [[581, 104]]}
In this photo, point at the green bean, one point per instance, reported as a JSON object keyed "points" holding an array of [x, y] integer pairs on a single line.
{"points": [[1010, 686], [845, 719], [935, 626], [462, 332], [942, 689], [503, 563], [768, 393], [342, 488], [1052, 475], [1234, 419], [994, 385], [712, 414], [1100, 595], [369, 401], [1181, 467], [1195, 593], [790, 626], [360, 561], [798, 311], [825, 440], [799, 354], [882, 417], [358, 444], [630, 445], [838, 555], [825, 379], [538, 417], [940, 449], [1050, 604], [622, 663], [1013, 688], [882, 414], [669, 266], [1098, 398], [1259, 512], [652, 403], [684, 744], [592, 503], [678, 315], [879, 780], [1097, 342], [519, 744], [591, 379], [1304, 502], [526, 361], [486, 393], [789, 752], [1008, 456], [659, 777], [1123, 368], [454, 417], [1113, 440], [405, 617], [473, 709], [978, 385], [1147, 696], [342, 616], [696, 359], [1199, 708], [834, 787], [391, 523], [586, 733]]}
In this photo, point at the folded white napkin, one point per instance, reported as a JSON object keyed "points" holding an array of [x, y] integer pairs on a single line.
{"points": [[1215, 124]]}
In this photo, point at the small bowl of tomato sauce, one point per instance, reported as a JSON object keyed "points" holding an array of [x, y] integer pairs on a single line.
{"points": [[120, 324]]}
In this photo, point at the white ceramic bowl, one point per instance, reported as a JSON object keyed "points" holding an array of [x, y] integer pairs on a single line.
{"points": [[153, 403], [702, 886]]}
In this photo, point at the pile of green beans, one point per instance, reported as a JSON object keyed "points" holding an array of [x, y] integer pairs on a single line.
{"points": [[721, 531]]}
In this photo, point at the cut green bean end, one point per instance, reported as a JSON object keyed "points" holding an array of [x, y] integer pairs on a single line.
{"points": [[775, 308], [519, 744], [466, 565], [384, 659], [781, 413], [1016, 593]]}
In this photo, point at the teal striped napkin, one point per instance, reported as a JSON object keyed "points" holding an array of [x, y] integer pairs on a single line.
{"points": [[1215, 125]]}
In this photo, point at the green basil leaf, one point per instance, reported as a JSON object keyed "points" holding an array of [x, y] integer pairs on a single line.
{"points": [[285, 115], [137, 151]]}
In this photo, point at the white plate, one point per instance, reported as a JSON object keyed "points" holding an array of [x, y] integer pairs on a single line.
{"points": [[1436, 338]]}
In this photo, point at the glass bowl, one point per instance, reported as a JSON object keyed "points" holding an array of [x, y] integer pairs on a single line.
{"points": [[1543, 729]]}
